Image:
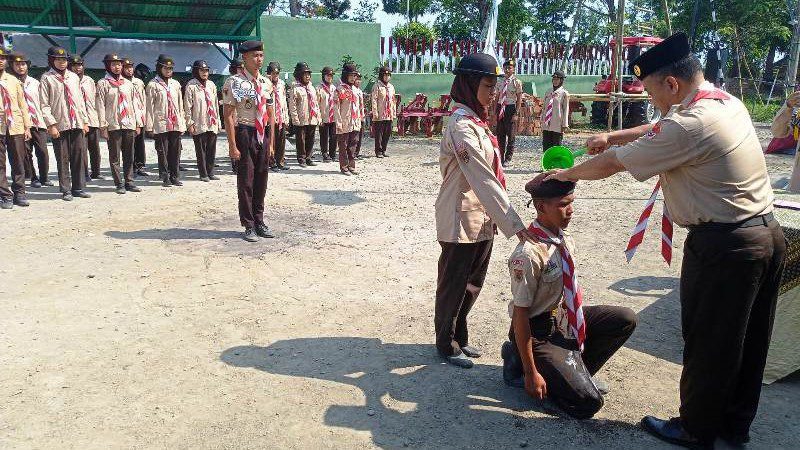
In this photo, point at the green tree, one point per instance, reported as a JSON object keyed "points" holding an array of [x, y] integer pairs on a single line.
{"points": [[365, 12], [334, 9], [513, 17], [414, 30], [461, 19], [416, 8]]}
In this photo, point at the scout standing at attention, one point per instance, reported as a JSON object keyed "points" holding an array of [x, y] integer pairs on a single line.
{"points": [[362, 110], [202, 118], [709, 161], [508, 95], [556, 342], [347, 113], [327, 127], [165, 118], [15, 124], [139, 105], [384, 110], [304, 109], [281, 116], [89, 93], [249, 118], [67, 122], [555, 115], [119, 121], [472, 201], [38, 140]]}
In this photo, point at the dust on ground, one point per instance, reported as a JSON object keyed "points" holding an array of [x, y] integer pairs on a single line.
{"points": [[144, 321]]}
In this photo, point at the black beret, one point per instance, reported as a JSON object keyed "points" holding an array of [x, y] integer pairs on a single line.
{"points": [[327, 70], [478, 64], [200, 64], [559, 74], [18, 57], [251, 46], [538, 188], [164, 60], [669, 51], [57, 52], [112, 57], [76, 60]]}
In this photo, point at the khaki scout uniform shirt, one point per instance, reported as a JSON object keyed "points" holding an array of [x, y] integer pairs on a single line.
{"points": [[157, 104], [536, 277], [89, 93], [298, 105], [240, 93], [20, 118], [108, 105], [514, 90], [323, 98], [709, 159], [560, 119], [362, 109], [196, 107], [345, 123], [279, 94], [471, 199], [54, 101], [31, 86], [382, 93]]}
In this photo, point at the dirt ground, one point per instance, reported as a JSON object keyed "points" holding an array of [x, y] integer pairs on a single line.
{"points": [[145, 321]]}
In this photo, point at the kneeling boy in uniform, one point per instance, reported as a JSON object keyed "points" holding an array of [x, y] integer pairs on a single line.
{"points": [[557, 343]]}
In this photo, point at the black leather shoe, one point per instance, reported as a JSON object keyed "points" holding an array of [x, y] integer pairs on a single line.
{"points": [[672, 431], [263, 231], [21, 200], [470, 351], [36, 184], [142, 173], [133, 188], [512, 366], [283, 167], [177, 182], [81, 194]]}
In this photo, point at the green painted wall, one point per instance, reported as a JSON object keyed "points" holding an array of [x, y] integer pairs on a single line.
{"points": [[320, 43], [433, 85]]}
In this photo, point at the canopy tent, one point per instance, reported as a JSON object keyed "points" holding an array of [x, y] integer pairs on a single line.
{"points": [[166, 20]]}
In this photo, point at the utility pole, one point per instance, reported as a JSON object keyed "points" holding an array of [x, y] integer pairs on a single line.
{"points": [[794, 50], [665, 5]]}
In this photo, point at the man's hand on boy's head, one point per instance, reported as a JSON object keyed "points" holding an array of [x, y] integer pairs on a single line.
{"points": [[558, 174]]}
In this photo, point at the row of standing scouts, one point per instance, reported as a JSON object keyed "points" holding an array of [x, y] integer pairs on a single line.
{"points": [[74, 111]]}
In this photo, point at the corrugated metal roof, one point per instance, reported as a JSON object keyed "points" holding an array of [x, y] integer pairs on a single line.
{"points": [[155, 17]]}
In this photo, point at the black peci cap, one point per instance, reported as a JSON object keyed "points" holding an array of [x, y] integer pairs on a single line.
{"points": [[251, 46], [200, 64], [478, 64], [669, 51], [164, 60], [57, 52], [538, 188]]}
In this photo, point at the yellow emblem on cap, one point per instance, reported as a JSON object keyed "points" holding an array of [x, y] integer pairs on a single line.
{"points": [[114, 56], [498, 71], [637, 70], [19, 59], [60, 51]]}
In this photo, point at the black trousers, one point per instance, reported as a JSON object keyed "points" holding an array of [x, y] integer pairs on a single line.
{"points": [[304, 142], [462, 270], [252, 172], [382, 131], [550, 139], [729, 288], [139, 153], [70, 149], [92, 159], [38, 144], [327, 140], [205, 149], [505, 132], [566, 370], [279, 158], [347, 147], [168, 148], [121, 142], [14, 146]]}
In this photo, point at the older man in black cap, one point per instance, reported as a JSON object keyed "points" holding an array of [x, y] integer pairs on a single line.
{"points": [[250, 118], [202, 118], [557, 342], [555, 112], [165, 118], [709, 161]]}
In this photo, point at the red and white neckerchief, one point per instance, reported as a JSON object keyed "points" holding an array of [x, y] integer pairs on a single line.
{"points": [[262, 114], [349, 94], [278, 108], [499, 173], [7, 107], [388, 109], [140, 102], [548, 111], [210, 110], [172, 109], [73, 116], [83, 93], [573, 294], [503, 96], [327, 88], [123, 111], [313, 108], [666, 221], [31, 104]]}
